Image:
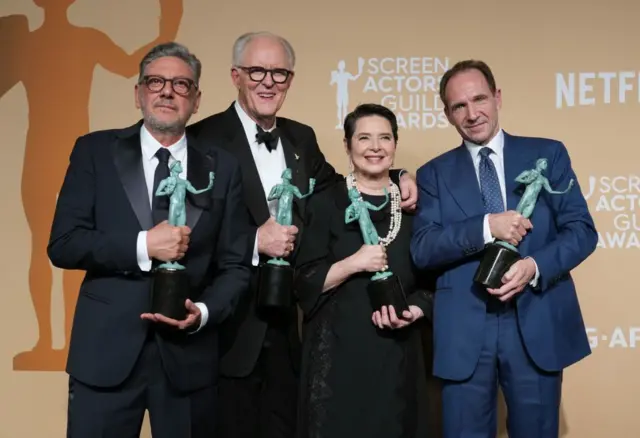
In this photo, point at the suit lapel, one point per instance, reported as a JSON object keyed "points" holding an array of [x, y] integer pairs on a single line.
{"points": [[238, 145], [198, 168], [462, 182], [515, 161], [128, 162]]}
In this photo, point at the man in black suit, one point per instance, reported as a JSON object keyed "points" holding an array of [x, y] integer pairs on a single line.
{"points": [[122, 359], [260, 353]]}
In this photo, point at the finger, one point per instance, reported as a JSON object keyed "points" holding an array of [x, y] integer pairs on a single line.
{"points": [[408, 315], [290, 238], [393, 318], [385, 316], [508, 296], [187, 322], [293, 230], [191, 307], [527, 224], [185, 230], [148, 316], [508, 276], [185, 240], [169, 321], [378, 322]]}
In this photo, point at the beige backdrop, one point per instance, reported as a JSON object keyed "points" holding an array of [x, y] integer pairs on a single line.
{"points": [[567, 71]]}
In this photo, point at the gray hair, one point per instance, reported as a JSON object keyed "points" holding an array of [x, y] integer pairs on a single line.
{"points": [[241, 43], [176, 50]]}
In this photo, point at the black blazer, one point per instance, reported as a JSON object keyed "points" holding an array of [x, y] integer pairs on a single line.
{"points": [[243, 336], [102, 206]]}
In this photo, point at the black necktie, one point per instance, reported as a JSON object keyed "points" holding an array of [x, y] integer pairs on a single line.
{"points": [[270, 139], [160, 204]]}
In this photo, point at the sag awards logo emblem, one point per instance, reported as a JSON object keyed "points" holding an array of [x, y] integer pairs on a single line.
{"points": [[407, 86], [615, 199]]}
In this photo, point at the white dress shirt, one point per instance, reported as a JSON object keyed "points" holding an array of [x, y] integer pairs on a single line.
{"points": [[270, 165], [496, 144], [178, 152]]}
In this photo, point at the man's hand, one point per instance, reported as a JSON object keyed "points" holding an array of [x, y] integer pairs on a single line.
{"points": [[386, 317], [509, 226], [193, 317], [166, 242], [515, 280], [276, 240], [408, 192]]}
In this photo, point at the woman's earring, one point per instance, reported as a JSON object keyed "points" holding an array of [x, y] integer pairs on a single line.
{"points": [[350, 165]]}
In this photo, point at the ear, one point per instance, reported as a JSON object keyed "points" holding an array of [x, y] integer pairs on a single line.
{"points": [[235, 77], [498, 96], [197, 102], [136, 96]]}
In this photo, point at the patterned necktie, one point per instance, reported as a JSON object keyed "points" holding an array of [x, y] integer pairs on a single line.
{"points": [[160, 204], [489, 184], [270, 139]]}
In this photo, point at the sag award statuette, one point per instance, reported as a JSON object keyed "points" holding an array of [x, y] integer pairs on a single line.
{"points": [[276, 276], [500, 256], [385, 288], [170, 281]]}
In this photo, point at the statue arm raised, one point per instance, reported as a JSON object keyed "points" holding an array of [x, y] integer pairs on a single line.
{"points": [[312, 184], [113, 58], [548, 188], [381, 206], [526, 177], [164, 188], [198, 191]]}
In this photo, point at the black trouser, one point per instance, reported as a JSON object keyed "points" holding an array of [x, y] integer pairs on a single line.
{"points": [[263, 404]]}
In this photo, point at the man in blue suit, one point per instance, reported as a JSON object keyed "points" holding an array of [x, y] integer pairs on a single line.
{"points": [[522, 335]]}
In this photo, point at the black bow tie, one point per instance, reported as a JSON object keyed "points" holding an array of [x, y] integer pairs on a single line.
{"points": [[270, 139]]}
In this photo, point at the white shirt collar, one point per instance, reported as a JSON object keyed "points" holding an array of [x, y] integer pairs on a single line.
{"points": [[496, 145], [249, 125], [150, 145]]}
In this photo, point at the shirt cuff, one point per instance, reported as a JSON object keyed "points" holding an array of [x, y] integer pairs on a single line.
{"points": [[204, 316], [256, 257], [486, 230], [534, 281], [144, 262]]}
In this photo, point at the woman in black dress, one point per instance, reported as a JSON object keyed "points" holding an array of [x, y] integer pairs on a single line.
{"points": [[362, 368]]}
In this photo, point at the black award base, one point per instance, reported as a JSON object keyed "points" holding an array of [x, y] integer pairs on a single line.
{"points": [[387, 291], [496, 261], [275, 287], [169, 292]]}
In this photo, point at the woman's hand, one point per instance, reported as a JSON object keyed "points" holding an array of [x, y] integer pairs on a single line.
{"points": [[387, 318], [369, 258]]}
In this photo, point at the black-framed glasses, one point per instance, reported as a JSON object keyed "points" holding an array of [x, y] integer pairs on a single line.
{"points": [[257, 74], [181, 86]]}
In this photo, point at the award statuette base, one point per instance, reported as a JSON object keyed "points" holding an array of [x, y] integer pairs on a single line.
{"points": [[498, 258], [170, 290], [385, 289], [275, 285]]}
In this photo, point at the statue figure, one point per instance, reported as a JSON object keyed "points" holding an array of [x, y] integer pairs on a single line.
{"points": [[535, 182], [177, 188], [284, 193], [358, 210]]}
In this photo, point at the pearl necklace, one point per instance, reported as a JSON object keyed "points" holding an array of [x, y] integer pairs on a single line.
{"points": [[396, 212]]}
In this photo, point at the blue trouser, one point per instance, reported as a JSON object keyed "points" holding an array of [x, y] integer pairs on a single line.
{"points": [[532, 395]]}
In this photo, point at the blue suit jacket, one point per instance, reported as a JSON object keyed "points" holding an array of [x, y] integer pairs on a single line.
{"points": [[448, 238]]}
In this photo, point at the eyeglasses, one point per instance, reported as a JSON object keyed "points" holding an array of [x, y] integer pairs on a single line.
{"points": [[181, 86], [257, 74]]}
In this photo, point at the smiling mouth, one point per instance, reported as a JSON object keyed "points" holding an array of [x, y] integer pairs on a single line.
{"points": [[266, 95], [374, 158]]}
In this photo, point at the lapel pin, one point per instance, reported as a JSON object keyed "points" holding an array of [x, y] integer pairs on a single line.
{"points": [[297, 156]]}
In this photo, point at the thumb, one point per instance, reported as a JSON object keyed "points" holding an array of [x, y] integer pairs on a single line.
{"points": [[510, 273]]}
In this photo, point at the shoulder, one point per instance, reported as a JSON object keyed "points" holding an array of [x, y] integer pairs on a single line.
{"points": [[94, 142], [443, 160], [541, 147], [211, 122], [296, 129]]}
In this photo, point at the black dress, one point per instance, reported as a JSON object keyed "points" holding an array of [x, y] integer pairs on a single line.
{"points": [[357, 380]]}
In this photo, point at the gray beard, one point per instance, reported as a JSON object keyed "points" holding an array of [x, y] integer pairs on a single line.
{"points": [[175, 128]]}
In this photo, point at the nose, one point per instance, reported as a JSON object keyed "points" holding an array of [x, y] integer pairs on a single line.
{"points": [[268, 80], [167, 90], [472, 113]]}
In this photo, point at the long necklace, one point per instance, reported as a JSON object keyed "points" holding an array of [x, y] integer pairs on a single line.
{"points": [[396, 212]]}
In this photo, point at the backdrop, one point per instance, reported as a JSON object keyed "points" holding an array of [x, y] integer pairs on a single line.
{"points": [[566, 71]]}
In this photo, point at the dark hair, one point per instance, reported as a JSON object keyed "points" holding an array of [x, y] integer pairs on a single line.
{"points": [[367, 110], [459, 67]]}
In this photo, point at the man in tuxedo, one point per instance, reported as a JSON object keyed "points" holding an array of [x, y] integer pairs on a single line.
{"points": [[522, 335], [260, 352], [108, 222]]}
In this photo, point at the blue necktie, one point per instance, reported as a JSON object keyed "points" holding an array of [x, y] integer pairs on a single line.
{"points": [[489, 184]]}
